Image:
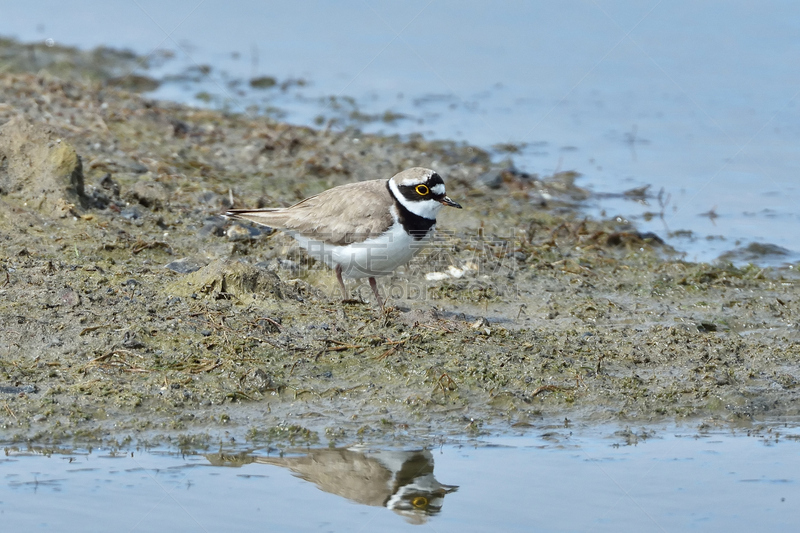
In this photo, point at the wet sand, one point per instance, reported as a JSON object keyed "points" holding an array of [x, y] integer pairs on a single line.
{"points": [[130, 310]]}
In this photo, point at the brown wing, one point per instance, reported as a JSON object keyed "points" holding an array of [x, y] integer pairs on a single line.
{"points": [[342, 215], [346, 473]]}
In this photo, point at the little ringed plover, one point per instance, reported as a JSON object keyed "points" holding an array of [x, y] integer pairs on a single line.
{"points": [[364, 229]]}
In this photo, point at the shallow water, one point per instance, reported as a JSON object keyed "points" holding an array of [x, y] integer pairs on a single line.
{"points": [[552, 479], [698, 99]]}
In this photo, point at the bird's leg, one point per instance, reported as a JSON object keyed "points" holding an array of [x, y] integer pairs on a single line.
{"points": [[338, 271], [374, 286]]}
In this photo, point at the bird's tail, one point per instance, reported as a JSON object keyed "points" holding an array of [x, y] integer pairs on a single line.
{"points": [[272, 217]]}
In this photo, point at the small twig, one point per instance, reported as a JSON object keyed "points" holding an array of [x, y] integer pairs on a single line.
{"points": [[111, 354], [235, 395], [546, 388], [395, 347], [446, 383], [207, 368], [441, 327], [340, 346], [386, 354], [89, 329], [390, 343], [143, 246], [291, 371], [5, 404], [340, 343], [273, 322]]}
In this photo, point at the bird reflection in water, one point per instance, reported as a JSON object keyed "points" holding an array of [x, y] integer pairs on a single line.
{"points": [[399, 480]]}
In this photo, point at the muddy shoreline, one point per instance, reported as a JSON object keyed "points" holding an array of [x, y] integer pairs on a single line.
{"points": [[130, 310]]}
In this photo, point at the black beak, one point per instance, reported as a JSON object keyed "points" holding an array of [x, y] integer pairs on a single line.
{"points": [[447, 201]]}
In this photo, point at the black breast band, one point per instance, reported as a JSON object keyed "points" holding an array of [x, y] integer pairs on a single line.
{"points": [[415, 225]]}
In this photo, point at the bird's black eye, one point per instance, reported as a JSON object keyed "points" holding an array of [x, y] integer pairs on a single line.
{"points": [[422, 190]]}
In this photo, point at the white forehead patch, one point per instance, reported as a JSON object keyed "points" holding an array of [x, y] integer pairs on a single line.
{"points": [[438, 189], [416, 178]]}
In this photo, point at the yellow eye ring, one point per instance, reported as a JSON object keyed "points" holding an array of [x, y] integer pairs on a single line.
{"points": [[422, 190], [419, 502]]}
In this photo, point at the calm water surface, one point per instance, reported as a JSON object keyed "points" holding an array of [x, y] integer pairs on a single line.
{"points": [[548, 480], [700, 99], [697, 98]]}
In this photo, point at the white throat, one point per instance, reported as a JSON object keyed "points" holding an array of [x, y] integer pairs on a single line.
{"points": [[425, 208]]}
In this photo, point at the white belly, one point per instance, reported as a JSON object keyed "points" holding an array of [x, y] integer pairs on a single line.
{"points": [[379, 256]]}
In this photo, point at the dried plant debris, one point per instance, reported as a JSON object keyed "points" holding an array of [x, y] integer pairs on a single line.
{"points": [[128, 307]]}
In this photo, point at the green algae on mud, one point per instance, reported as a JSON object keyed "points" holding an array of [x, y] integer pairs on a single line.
{"points": [[132, 309]]}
